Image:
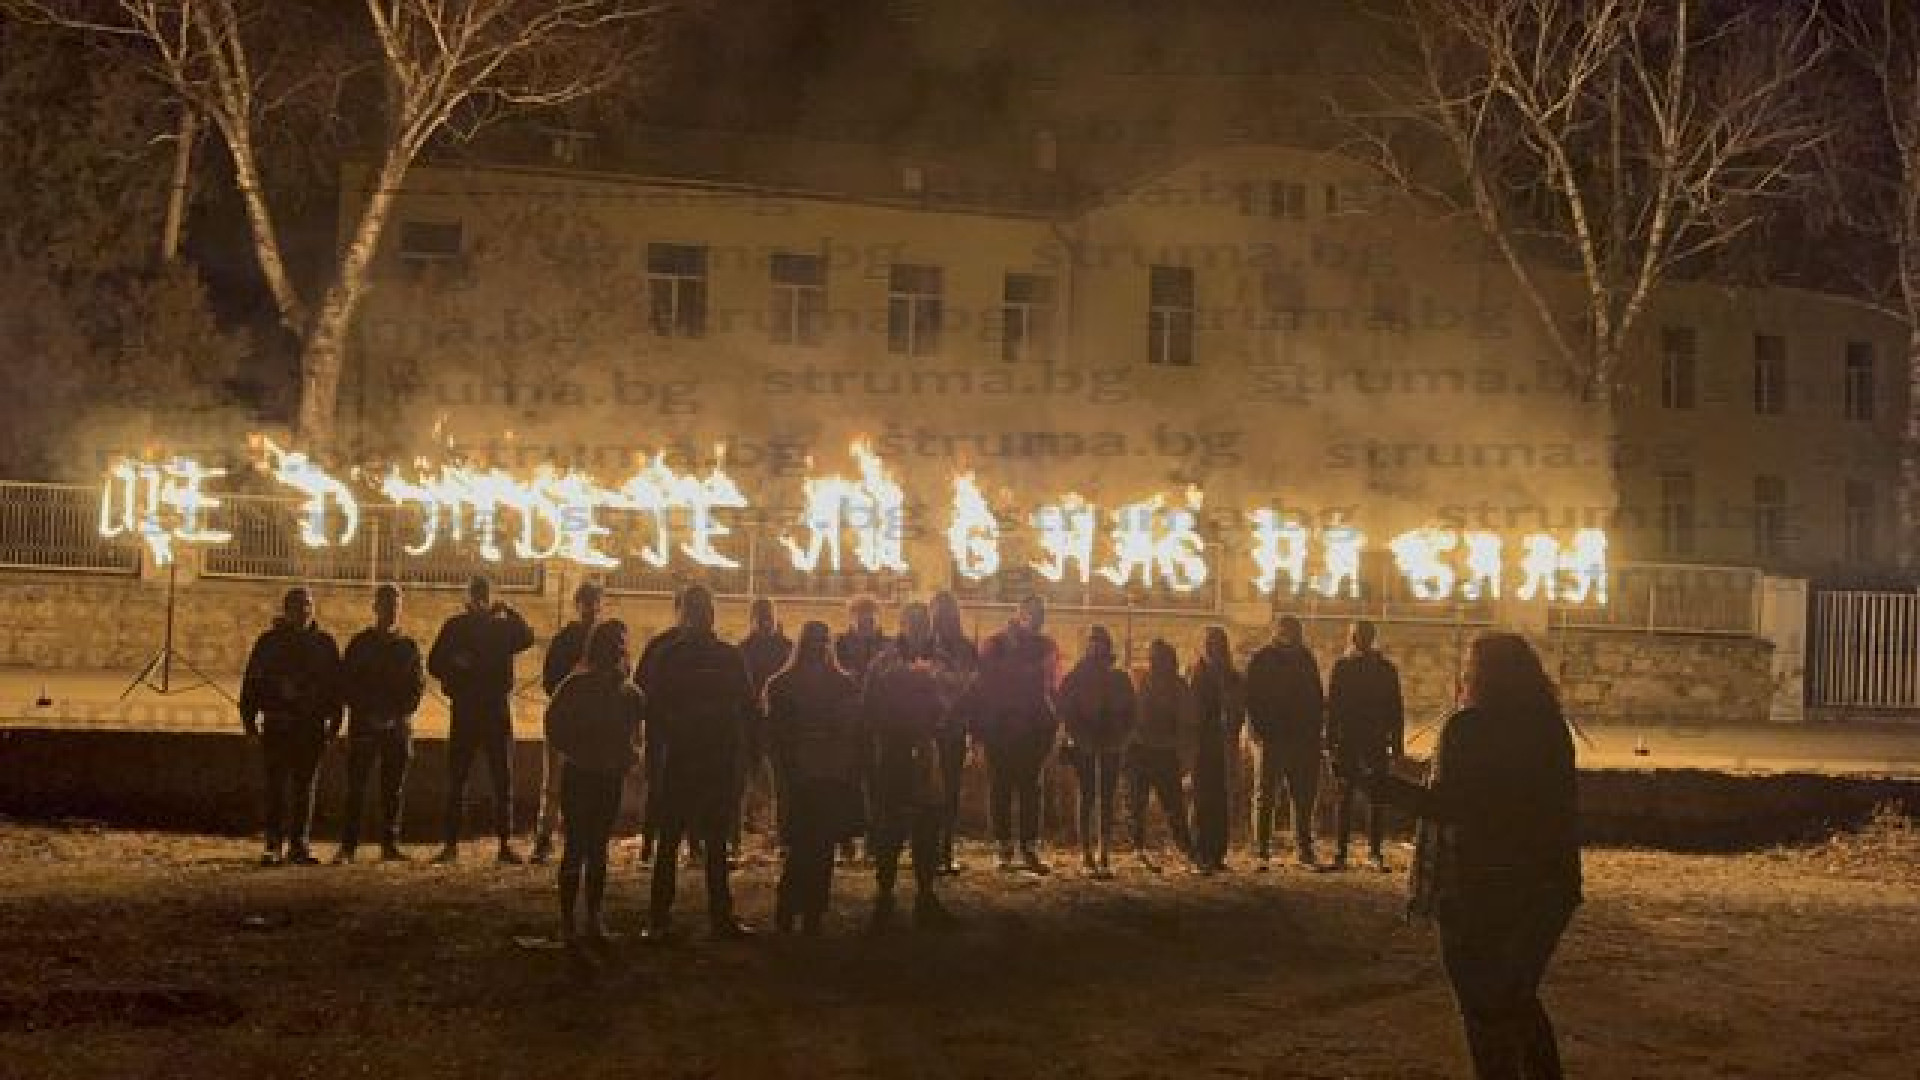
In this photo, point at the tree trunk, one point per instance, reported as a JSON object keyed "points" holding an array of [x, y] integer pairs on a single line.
{"points": [[178, 193], [266, 239], [324, 357]]}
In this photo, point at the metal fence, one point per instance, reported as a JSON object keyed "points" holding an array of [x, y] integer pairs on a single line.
{"points": [[1673, 598], [57, 527], [267, 546], [1863, 651]]}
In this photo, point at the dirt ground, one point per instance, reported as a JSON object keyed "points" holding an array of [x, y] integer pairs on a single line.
{"points": [[132, 955]]}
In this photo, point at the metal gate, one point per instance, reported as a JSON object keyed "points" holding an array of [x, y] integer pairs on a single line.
{"points": [[1864, 651]]}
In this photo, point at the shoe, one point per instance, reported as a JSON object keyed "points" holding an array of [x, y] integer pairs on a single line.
{"points": [[449, 854], [509, 857], [1262, 865], [301, 857], [730, 930], [1308, 863], [270, 857], [1031, 862], [659, 933], [392, 853], [1088, 866], [951, 869], [1006, 863], [1338, 865], [1147, 863], [542, 853], [1378, 864], [343, 857]]}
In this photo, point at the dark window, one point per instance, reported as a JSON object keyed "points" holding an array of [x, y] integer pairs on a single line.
{"points": [[1861, 522], [1170, 315], [1287, 200], [431, 240], [677, 290], [1769, 516], [1769, 374], [1676, 514], [1859, 388], [1026, 314], [799, 309], [913, 310], [1679, 367]]}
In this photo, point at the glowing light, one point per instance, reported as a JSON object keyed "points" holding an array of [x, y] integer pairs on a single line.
{"points": [[1341, 545], [298, 471], [1484, 564], [1066, 536], [1539, 566], [161, 503], [702, 496], [1149, 538], [974, 534], [1585, 562], [872, 506], [1419, 553], [1279, 547], [569, 502]]}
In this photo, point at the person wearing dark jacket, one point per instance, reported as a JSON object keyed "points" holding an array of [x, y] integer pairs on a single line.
{"points": [[1019, 669], [473, 660], [1285, 707], [594, 724], [959, 669], [566, 654], [1497, 852], [699, 704], [1366, 730], [815, 739], [766, 651], [382, 680], [290, 698], [855, 650], [1165, 723], [902, 705], [1097, 710], [1219, 706]]}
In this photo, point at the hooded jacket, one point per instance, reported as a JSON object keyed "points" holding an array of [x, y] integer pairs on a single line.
{"points": [[1285, 704], [1097, 706], [382, 679], [293, 673], [473, 656], [1365, 714]]}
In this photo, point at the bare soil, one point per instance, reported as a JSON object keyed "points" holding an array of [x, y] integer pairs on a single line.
{"points": [[132, 955]]}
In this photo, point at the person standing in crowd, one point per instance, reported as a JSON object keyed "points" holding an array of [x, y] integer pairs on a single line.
{"points": [[1166, 722], [289, 697], [1019, 668], [650, 787], [699, 703], [766, 651], [1366, 730], [958, 668], [815, 739], [1219, 704], [593, 724], [382, 680], [855, 649], [1097, 710], [566, 654], [1285, 710], [1497, 852], [473, 660], [903, 704]]}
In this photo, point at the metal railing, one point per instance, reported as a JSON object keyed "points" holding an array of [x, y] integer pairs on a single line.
{"points": [[1673, 598], [267, 546], [57, 527]]}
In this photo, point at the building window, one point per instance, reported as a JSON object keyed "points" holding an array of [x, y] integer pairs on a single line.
{"points": [[1676, 514], [677, 290], [1170, 315], [1769, 517], [1283, 293], [799, 311], [1859, 388], [913, 310], [1679, 367], [1287, 200], [1769, 374], [431, 241], [1026, 314], [1860, 522]]}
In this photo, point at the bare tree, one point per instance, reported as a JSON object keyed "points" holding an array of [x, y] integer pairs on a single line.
{"points": [[448, 67], [1613, 142]]}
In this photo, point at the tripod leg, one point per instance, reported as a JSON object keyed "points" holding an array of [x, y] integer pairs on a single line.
{"points": [[140, 680]]}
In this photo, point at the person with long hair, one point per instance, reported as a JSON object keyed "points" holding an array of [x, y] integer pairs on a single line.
{"points": [[959, 667], [1165, 724], [1219, 702], [1019, 672], [593, 725], [1497, 852], [814, 740], [1097, 709], [903, 706]]}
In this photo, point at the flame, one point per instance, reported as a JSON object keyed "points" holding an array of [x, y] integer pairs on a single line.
{"points": [[1418, 553], [1484, 564], [1341, 545], [162, 503], [1066, 536], [1279, 547], [974, 534], [873, 506], [1149, 538], [1585, 562], [298, 471], [1540, 565]]}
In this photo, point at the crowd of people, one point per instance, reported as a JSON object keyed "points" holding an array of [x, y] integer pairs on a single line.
{"points": [[865, 734]]}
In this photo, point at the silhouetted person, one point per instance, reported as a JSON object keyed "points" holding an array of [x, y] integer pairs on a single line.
{"points": [[1019, 668], [650, 791], [815, 738], [473, 660], [1097, 710], [699, 704], [766, 651], [1366, 729], [1165, 723], [904, 702], [290, 697], [1497, 855], [1219, 707], [594, 726], [1285, 716], [566, 654], [855, 649], [382, 679], [959, 668]]}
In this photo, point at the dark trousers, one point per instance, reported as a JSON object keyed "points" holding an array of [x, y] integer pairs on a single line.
{"points": [[709, 832], [953, 769], [1154, 772], [1343, 809], [482, 726], [1298, 768], [391, 749], [589, 803], [917, 828], [1495, 959], [1099, 775], [291, 749], [1016, 765], [1210, 803], [806, 875]]}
